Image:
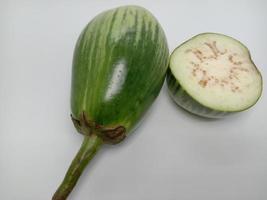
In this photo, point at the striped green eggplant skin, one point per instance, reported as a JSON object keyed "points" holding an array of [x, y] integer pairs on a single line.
{"points": [[119, 66], [213, 75]]}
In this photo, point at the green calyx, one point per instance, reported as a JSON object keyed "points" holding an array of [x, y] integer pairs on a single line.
{"points": [[108, 135]]}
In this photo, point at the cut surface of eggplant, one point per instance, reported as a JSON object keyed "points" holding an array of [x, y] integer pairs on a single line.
{"points": [[212, 75]]}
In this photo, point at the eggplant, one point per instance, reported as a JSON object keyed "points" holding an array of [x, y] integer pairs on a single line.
{"points": [[212, 75], [119, 66]]}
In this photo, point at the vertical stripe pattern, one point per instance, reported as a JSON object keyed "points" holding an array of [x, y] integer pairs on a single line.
{"points": [[119, 66]]}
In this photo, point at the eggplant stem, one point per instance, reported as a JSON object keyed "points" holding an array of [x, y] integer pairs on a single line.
{"points": [[88, 149]]}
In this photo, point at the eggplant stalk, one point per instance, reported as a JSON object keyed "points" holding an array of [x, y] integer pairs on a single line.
{"points": [[88, 149]]}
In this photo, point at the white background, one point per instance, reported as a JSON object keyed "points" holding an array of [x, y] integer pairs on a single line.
{"points": [[172, 156]]}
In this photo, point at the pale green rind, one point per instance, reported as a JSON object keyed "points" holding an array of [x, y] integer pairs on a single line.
{"points": [[184, 100]]}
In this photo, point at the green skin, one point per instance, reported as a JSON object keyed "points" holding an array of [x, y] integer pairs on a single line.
{"points": [[184, 100], [190, 104], [119, 66]]}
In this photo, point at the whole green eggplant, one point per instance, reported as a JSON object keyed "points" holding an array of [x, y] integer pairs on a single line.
{"points": [[119, 66]]}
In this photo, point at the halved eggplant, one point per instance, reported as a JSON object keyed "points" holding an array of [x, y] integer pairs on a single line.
{"points": [[213, 75]]}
